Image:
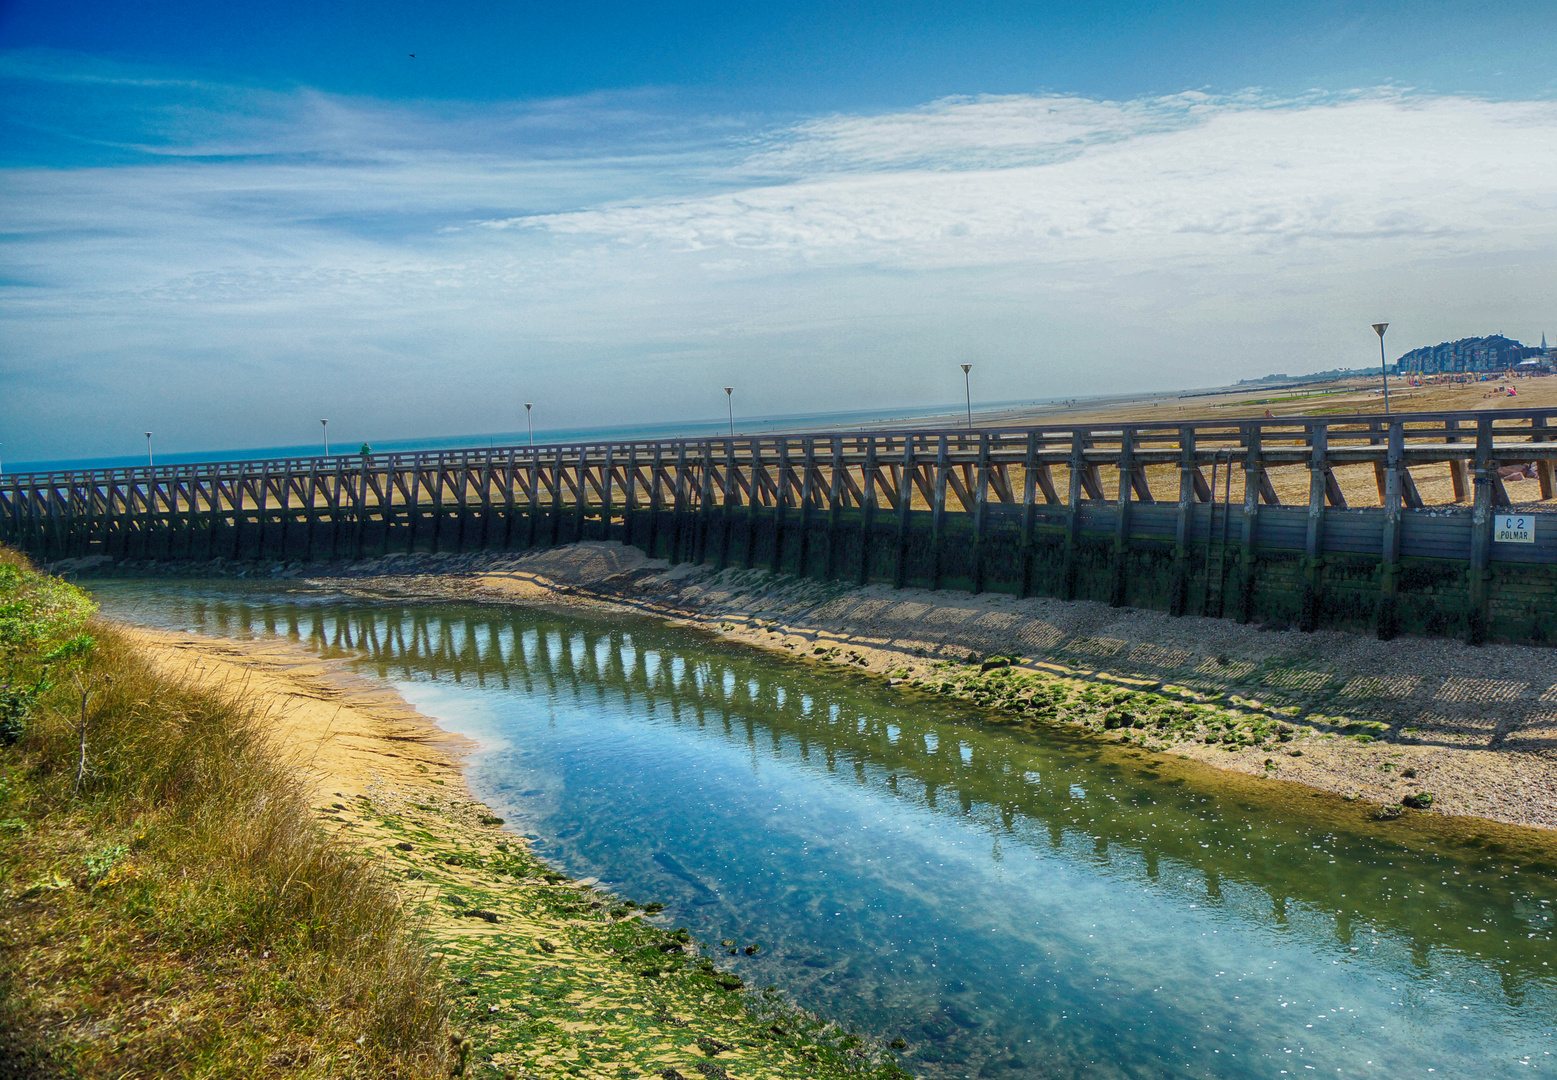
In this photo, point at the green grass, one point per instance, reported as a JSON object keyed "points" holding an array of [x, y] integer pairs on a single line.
{"points": [[176, 912]]}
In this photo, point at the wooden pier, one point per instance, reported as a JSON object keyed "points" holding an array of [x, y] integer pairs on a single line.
{"points": [[1187, 517]]}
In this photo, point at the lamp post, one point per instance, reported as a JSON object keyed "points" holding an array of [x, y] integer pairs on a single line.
{"points": [[325, 424], [967, 389], [1379, 328], [729, 401], [148, 450], [528, 423]]}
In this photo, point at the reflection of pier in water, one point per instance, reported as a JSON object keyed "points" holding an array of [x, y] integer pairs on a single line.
{"points": [[1020, 786]]}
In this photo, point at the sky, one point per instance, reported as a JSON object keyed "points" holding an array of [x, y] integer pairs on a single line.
{"points": [[223, 222]]}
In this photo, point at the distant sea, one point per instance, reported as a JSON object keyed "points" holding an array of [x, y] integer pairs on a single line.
{"points": [[685, 429]]}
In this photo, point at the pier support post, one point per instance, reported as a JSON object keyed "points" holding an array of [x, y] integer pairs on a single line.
{"points": [[1319, 480], [535, 498], [67, 509], [336, 483], [655, 468], [360, 509], [81, 503], [49, 543], [678, 514], [35, 524], [1377, 436], [69, 517], [61, 510], [508, 502], [807, 497], [980, 512], [386, 506], [1480, 572], [753, 503], [57, 529], [1024, 585], [97, 506], [868, 511], [732, 496], [1118, 571], [556, 497], [310, 511], [53, 528], [459, 487], [581, 495], [905, 503], [1388, 620], [1190, 481], [607, 499], [192, 506], [486, 500], [1459, 472], [1078, 476], [705, 505], [780, 505], [630, 496], [1254, 480], [834, 508], [439, 477], [938, 520]]}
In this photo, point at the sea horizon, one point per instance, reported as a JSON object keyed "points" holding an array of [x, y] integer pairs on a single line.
{"points": [[694, 428]]}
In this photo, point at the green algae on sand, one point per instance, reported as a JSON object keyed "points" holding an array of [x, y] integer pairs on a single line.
{"points": [[554, 977]]}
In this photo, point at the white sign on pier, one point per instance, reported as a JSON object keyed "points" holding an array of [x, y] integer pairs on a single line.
{"points": [[1514, 529]]}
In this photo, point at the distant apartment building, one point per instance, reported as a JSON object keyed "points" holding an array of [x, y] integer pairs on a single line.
{"points": [[1470, 355]]}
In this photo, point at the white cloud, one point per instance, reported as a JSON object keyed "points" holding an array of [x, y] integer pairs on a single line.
{"points": [[423, 269], [1224, 180], [958, 134]]}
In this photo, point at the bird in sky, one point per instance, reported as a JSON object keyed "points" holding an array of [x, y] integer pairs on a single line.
{"points": [[411, 55]]}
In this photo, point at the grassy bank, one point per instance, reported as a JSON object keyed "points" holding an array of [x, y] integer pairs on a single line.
{"points": [[169, 906]]}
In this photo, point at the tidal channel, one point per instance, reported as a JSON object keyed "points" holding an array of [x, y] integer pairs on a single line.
{"points": [[1010, 902]]}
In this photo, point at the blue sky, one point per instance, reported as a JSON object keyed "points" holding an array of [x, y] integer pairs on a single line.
{"points": [[222, 222]]}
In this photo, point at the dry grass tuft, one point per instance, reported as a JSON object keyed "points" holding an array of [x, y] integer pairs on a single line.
{"points": [[180, 914]]}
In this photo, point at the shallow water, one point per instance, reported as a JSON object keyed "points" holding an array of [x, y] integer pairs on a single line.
{"points": [[1012, 903]]}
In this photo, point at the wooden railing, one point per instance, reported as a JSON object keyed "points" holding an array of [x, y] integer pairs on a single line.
{"points": [[1059, 465], [1041, 477]]}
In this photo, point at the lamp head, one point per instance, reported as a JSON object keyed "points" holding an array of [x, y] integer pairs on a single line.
{"points": [[729, 390], [527, 405], [965, 368], [1380, 327]]}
